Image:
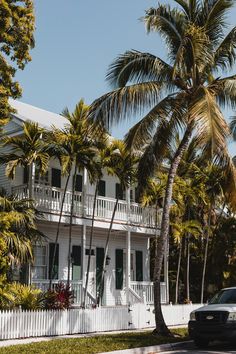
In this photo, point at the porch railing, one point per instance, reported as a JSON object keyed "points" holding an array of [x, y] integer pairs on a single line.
{"points": [[49, 198], [76, 287], [145, 291]]}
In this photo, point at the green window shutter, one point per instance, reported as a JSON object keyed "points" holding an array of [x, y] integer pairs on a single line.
{"points": [[102, 188], [119, 269], [99, 265], [76, 262], [54, 270], [25, 174], [119, 192], [56, 178], [79, 183], [139, 265], [136, 195]]}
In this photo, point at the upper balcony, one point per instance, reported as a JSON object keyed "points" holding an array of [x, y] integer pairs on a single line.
{"points": [[49, 199]]}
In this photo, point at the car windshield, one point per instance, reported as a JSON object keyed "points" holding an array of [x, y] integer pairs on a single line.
{"points": [[227, 296]]}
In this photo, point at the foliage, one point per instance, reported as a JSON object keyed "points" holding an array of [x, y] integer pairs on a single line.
{"points": [[16, 39], [16, 295], [18, 230], [59, 298], [96, 344]]}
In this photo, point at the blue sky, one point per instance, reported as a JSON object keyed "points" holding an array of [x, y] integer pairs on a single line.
{"points": [[76, 40]]}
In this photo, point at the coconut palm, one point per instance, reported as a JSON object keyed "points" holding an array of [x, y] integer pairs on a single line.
{"points": [[76, 146], [27, 150], [121, 164], [183, 94]]}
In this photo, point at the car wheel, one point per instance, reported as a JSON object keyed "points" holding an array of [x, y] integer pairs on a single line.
{"points": [[201, 342]]}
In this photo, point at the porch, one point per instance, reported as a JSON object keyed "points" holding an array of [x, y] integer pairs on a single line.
{"points": [[49, 199], [139, 292]]}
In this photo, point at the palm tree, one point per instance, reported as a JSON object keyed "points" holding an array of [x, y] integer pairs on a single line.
{"points": [[179, 230], [18, 230], [182, 95], [76, 148], [121, 164], [105, 150], [27, 150]]}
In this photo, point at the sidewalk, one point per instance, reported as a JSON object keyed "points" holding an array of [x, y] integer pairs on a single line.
{"points": [[154, 349]]}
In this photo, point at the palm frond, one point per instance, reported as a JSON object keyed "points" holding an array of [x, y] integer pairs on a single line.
{"points": [[134, 66], [225, 53], [169, 23], [117, 105]]}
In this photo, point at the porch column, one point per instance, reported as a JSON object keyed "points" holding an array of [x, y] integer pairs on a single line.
{"points": [[83, 248], [84, 194], [128, 247], [127, 275], [31, 196]]}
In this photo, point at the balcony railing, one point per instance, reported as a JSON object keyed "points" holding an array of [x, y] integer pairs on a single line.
{"points": [[49, 198]]}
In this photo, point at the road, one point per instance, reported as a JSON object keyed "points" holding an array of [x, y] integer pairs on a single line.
{"points": [[212, 349]]}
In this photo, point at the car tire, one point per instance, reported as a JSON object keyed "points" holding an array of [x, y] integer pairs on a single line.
{"points": [[201, 342]]}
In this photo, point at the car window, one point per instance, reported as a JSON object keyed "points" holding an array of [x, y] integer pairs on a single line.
{"points": [[224, 297]]}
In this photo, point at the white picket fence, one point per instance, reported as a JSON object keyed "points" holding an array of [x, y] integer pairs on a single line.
{"points": [[21, 324]]}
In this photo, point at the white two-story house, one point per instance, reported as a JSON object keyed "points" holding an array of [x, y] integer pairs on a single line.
{"points": [[127, 276]]}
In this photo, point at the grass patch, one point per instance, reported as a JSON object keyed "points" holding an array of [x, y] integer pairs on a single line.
{"points": [[97, 344]]}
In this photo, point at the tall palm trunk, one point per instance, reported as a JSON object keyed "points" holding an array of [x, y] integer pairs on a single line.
{"points": [[58, 229], [161, 327], [178, 272], [188, 269], [90, 243], [70, 229], [100, 290], [205, 254]]}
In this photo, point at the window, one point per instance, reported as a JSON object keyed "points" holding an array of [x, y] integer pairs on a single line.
{"points": [[39, 178], [119, 269], [53, 270], [56, 178], [136, 265], [76, 262], [26, 174], [79, 183], [102, 188], [39, 269], [120, 193]]}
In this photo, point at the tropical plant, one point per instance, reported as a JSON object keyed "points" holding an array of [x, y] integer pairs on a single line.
{"points": [[16, 40], [179, 230], [122, 164], [75, 146], [16, 295], [18, 230], [182, 95], [28, 151], [59, 298]]}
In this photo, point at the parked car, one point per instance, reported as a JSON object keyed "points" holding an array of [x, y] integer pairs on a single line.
{"points": [[216, 320]]}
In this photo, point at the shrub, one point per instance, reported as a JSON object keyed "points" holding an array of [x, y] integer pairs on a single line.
{"points": [[60, 298], [16, 295]]}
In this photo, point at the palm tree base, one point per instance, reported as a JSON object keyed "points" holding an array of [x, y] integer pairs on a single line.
{"points": [[162, 331]]}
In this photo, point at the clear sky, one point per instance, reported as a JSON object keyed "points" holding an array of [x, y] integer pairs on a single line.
{"points": [[76, 40]]}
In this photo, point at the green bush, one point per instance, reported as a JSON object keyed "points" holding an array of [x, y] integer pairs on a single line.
{"points": [[16, 295]]}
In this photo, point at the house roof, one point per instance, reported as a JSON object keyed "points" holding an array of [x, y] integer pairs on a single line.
{"points": [[45, 118]]}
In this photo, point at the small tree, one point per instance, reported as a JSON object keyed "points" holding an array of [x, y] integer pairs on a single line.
{"points": [[16, 39]]}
